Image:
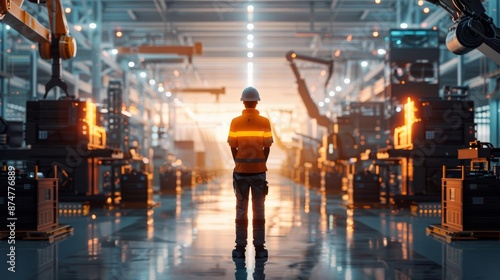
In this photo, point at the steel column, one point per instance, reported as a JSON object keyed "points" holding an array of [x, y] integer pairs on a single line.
{"points": [[3, 70], [96, 53], [33, 75], [492, 84], [460, 70], [494, 122]]}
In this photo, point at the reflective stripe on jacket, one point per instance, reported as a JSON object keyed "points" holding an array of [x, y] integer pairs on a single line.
{"points": [[250, 133]]}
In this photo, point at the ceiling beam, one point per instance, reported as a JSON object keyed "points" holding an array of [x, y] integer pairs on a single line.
{"points": [[160, 9], [132, 14]]}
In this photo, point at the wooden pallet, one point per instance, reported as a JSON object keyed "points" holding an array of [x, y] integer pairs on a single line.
{"points": [[449, 235], [56, 233]]}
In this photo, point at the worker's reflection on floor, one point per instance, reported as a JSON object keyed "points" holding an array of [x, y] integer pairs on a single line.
{"points": [[258, 273], [308, 235], [241, 271]]}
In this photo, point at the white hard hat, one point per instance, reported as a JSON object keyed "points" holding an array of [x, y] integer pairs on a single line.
{"points": [[250, 94]]}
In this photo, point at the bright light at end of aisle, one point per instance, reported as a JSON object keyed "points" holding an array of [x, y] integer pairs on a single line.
{"points": [[250, 73]]}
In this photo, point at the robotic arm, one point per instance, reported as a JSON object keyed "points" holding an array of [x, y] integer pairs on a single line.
{"points": [[472, 28], [311, 107], [55, 44]]}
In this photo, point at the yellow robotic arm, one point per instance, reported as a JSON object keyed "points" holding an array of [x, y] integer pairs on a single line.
{"points": [[55, 44], [12, 14]]}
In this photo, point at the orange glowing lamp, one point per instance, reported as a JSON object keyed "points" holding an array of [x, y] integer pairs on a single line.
{"points": [[403, 134]]}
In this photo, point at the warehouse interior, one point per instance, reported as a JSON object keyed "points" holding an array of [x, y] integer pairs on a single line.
{"points": [[114, 121]]}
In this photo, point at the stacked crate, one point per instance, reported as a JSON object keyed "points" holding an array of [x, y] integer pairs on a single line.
{"points": [[137, 190], [36, 203], [471, 204], [365, 189]]}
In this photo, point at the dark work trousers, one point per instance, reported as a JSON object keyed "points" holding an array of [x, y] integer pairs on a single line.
{"points": [[242, 185]]}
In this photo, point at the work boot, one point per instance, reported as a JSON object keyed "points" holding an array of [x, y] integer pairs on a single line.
{"points": [[260, 252], [239, 252]]}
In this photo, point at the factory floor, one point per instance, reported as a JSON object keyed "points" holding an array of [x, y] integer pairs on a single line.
{"points": [[309, 236]]}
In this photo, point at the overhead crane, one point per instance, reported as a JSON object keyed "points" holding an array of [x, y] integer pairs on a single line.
{"points": [[188, 51], [215, 91]]}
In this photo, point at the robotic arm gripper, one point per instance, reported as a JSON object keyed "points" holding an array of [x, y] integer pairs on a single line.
{"points": [[472, 28]]}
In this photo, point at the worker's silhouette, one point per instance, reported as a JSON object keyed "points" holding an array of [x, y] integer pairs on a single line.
{"points": [[250, 139]]}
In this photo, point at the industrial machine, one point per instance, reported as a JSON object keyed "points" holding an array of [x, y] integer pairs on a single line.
{"points": [[470, 202], [470, 195], [11, 133], [359, 129], [36, 203], [306, 159], [63, 122], [403, 141], [174, 175], [426, 129], [137, 190], [358, 134], [65, 133], [428, 138]]}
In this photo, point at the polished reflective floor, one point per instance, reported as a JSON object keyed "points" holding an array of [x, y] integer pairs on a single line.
{"points": [[309, 236]]}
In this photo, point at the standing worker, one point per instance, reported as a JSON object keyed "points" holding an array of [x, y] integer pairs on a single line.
{"points": [[250, 138]]}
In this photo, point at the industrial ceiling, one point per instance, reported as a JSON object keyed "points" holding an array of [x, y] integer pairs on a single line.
{"points": [[317, 28], [348, 32]]}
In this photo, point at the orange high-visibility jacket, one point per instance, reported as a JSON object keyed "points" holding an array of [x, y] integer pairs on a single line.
{"points": [[250, 133]]}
